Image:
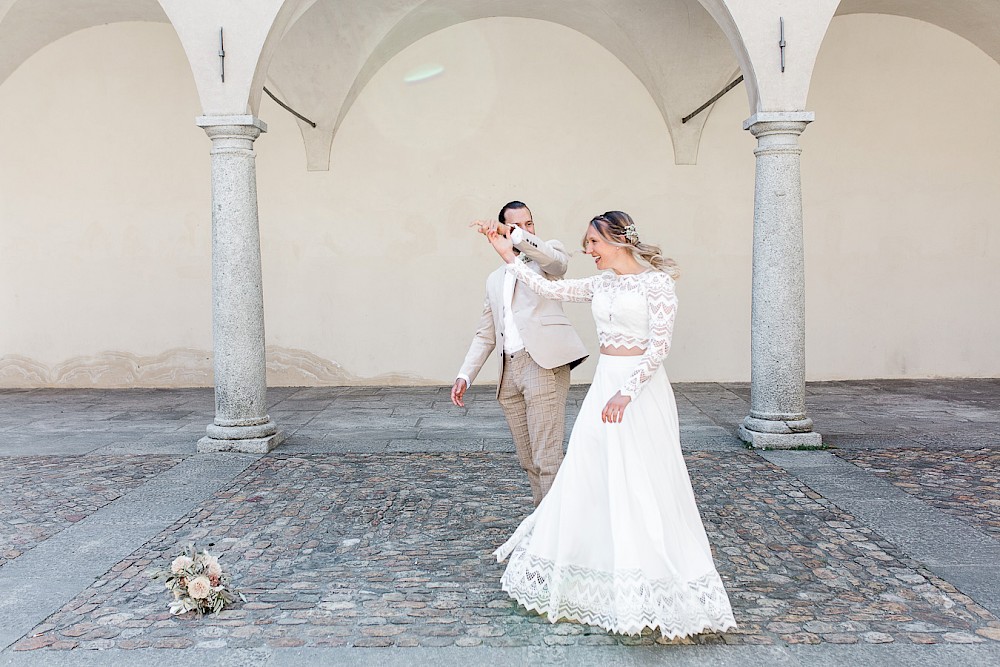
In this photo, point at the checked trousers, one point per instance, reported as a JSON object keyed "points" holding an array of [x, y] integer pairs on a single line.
{"points": [[533, 400]]}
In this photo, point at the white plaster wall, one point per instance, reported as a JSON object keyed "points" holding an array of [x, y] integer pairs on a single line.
{"points": [[386, 276], [104, 196], [369, 272], [902, 205]]}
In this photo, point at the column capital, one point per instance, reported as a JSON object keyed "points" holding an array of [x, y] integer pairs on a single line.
{"points": [[215, 121], [232, 134], [242, 131], [793, 122]]}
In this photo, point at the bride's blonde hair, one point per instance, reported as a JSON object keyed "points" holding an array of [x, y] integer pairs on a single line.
{"points": [[618, 229]]}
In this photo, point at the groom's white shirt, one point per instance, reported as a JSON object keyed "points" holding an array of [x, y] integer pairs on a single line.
{"points": [[512, 337]]}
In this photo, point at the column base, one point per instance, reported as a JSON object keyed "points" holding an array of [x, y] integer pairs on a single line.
{"points": [[245, 445], [759, 440]]}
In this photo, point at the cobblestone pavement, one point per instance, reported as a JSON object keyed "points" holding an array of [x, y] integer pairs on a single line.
{"points": [[394, 550], [965, 483], [373, 525], [41, 495]]}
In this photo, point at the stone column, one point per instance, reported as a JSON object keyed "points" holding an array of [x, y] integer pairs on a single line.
{"points": [[241, 420], [777, 418]]}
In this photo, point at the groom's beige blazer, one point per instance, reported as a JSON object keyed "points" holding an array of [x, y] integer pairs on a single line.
{"points": [[548, 336]]}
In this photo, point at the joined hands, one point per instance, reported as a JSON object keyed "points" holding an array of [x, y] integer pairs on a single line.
{"points": [[485, 227], [498, 235]]}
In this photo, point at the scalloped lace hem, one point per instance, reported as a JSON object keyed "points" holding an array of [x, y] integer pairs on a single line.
{"points": [[623, 602]]}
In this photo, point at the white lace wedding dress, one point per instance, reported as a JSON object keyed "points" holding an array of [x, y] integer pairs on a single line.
{"points": [[618, 541]]}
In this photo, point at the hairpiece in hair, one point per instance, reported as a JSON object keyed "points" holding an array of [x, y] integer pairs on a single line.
{"points": [[631, 234]]}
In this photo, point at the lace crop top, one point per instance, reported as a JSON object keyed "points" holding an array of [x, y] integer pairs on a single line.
{"points": [[630, 311]]}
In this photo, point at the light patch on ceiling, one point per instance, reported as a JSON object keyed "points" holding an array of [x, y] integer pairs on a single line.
{"points": [[423, 73]]}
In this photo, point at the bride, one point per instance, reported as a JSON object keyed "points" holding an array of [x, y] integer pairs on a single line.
{"points": [[618, 541]]}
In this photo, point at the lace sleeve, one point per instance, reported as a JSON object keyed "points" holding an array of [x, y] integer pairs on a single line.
{"points": [[661, 302], [567, 289]]}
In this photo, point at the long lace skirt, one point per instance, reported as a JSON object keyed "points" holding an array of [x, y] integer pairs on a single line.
{"points": [[618, 541]]}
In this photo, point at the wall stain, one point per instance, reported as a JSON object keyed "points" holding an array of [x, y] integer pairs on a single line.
{"points": [[183, 367]]}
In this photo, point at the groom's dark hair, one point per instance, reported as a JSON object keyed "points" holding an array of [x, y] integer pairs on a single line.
{"points": [[509, 205]]}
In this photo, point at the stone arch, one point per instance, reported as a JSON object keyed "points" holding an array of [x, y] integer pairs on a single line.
{"points": [[719, 11], [328, 57], [252, 32], [754, 32], [27, 26], [977, 21]]}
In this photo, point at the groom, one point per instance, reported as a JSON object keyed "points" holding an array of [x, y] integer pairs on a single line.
{"points": [[538, 348]]}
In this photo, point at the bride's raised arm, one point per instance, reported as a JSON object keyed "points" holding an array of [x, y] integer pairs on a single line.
{"points": [[566, 289], [570, 289]]}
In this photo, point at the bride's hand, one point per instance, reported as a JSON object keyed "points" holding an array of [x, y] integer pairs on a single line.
{"points": [[614, 411], [503, 245]]}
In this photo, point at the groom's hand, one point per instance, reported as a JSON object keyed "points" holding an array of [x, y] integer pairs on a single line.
{"points": [[458, 391], [614, 411]]}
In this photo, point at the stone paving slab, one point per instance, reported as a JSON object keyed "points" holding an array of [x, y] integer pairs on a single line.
{"points": [[864, 414], [964, 483], [394, 550], [40, 495]]}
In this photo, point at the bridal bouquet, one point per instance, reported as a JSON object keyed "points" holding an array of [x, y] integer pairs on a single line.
{"points": [[198, 583]]}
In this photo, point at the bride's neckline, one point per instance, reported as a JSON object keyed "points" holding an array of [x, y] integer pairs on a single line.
{"points": [[622, 275]]}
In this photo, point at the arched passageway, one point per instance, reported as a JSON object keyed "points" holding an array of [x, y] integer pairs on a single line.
{"points": [[705, 210]]}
